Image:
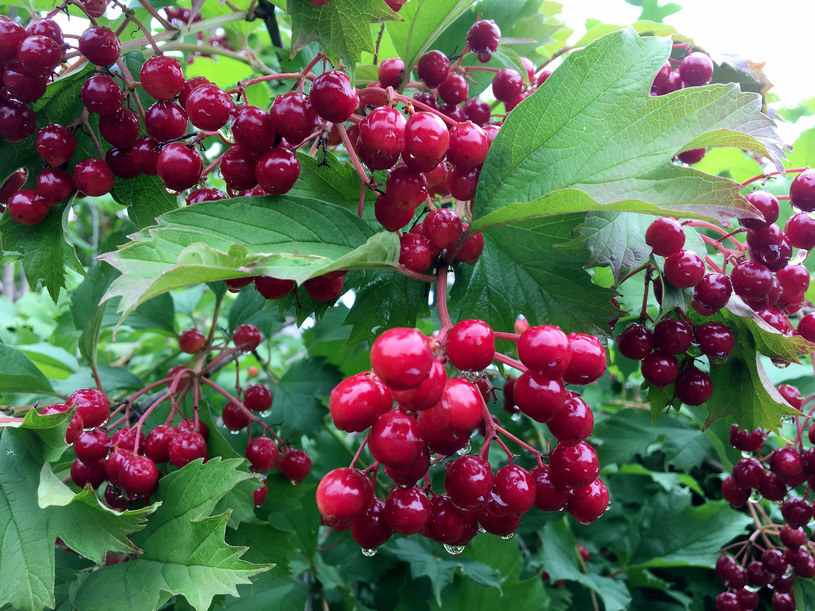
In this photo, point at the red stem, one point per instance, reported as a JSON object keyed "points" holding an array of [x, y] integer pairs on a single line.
{"points": [[513, 337], [766, 175], [503, 358], [441, 298]]}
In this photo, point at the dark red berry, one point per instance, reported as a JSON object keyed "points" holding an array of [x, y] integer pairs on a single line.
{"points": [[261, 453], [401, 358], [635, 342], [246, 337], [277, 171], [696, 69], [665, 236], [102, 95], [273, 288], [191, 341], [712, 293], [343, 494], [157, 443], [468, 145], [538, 397], [684, 269], [453, 89], [391, 72], [186, 447], [92, 405], [767, 204], [292, 116], [27, 207], [121, 128], [295, 465], [326, 287], [587, 503], [100, 45], [208, 107], [715, 339], [751, 280], [470, 345], [588, 359], [659, 369], [179, 166], [138, 475], [162, 77], [252, 129], [483, 37], [333, 97], [165, 120], [432, 68], [673, 336], [800, 231]]}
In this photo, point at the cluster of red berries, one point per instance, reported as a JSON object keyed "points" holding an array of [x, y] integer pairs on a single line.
{"points": [[776, 476], [438, 415]]}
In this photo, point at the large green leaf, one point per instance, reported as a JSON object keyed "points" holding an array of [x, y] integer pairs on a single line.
{"points": [[298, 396], [341, 27], [19, 374], [285, 237], [184, 549], [594, 127]]}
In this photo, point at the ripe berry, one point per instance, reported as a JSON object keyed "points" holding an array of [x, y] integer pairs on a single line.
{"points": [[800, 231], [770, 247], [116, 498], [751, 280], [246, 337], [273, 288], [192, 425], [234, 417], [38, 55], [426, 137], [635, 342], [659, 369], [693, 387], [295, 465], [548, 495], [261, 453], [734, 493], [238, 168], [468, 145], [415, 252], [447, 521], [144, 155], [539, 397], [55, 144], [93, 177], [370, 530], [138, 475], [92, 405], [806, 327], [410, 474], [407, 510], [157, 443], [208, 107], [773, 560], [292, 116], [712, 293], [186, 447], [715, 339], [259, 495], [796, 512], [802, 191], [83, 474], [257, 397], [102, 95], [587, 503], [27, 207], [574, 422], [383, 132], [389, 216], [277, 170], [165, 120], [333, 97], [23, 87], [92, 446], [792, 537], [516, 487], [17, 121], [696, 69], [121, 128], [545, 349], [162, 77], [573, 465], [327, 287], [472, 248], [343, 494], [74, 427], [468, 479], [188, 87], [477, 111], [442, 228], [588, 359], [665, 236], [401, 358], [786, 461], [391, 72], [12, 34], [684, 269], [453, 89], [234, 285], [483, 37], [673, 336], [470, 345], [432, 68], [793, 396], [100, 45], [395, 439], [425, 395], [191, 341], [507, 85], [767, 204], [179, 166], [406, 188]]}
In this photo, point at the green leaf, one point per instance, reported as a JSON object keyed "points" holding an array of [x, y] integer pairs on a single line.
{"points": [[558, 557], [248, 309], [45, 248], [615, 240], [184, 550], [594, 127], [340, 27], [285, 237], [43, 436], [19, 374], [424, 21], [298, 396], [89, 341]]}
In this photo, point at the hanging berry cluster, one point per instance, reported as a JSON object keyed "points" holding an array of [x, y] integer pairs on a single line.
{"points": [[433, 423]]}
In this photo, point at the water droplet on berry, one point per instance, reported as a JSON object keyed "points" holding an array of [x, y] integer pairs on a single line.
{"points": [[453, 550], [516, 416], [780, 364], [745, 454], [366, 551], [721, 360], [265, 414], [234, 432], [466, 449], [481, 530], [755, 497], [508, 537]]}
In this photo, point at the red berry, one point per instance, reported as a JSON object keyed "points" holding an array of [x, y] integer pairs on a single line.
{"points": [[55, 144], [343, 494], [712, 293], [447, 521], [277, 171], [426, 137], [472, 248], [138, 475], [246, 337], [665, 236], [192, 425], [696, 69], [259, 495], [292, 116], [549, 496], [588, 359], [257, 397], [295, 465], [252, 129], [573, 465], [120, 128], [406, 188], [401, 358], [673, 336], [539, 397], [179, 166], [752, 281], [165, 120], [370, 530], [38, 55], [545, 349], [470, 345], [208, 107], [191, 341], [693, 387], [802, 191], [477, 111], [483, 37], [659, 369], [800, 231], [395, 439], [442, 228], [17, 121], [187, 447], [806, 327], [189, 85], [93, 177], [333, 97], [121, 162], [432, 68], [468, 480], [261, 453], [234, 417], [407, 510], [238, 168], [715, 340], [792, 396], [587, 503], [507, 84], [427, 394], [23, 87], [116, 498], [684, 269], [12, 184], [162, 77], [12, 34], [113, 465], [453, 89], [157, 443], [389, 216], [102, 95], [144, 155], [273, 288], [635, 342], [468, 145], [574, 422], [100, 45], [27, 207], [415, 252], [92, 405], [767, 204], [383, 132], [391, 72], [83, 474], [516, 487], [786, 461], [327, 287], [92, 446]]}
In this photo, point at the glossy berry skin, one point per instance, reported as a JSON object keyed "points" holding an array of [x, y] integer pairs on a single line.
{"points": [[23, 87], [712, 293], [102, 95], [715, 340], [415, 252], [693, 387], [259, 495], [55, 144], [17, 121], [507, 84], [573, 465], [257, 398], [684, 269], [190, 425], [426, 137], [162, 77], [539, 397], [165, 120], [204, 195], [187, 447], [92, 446], [665, 236], [766, 203], [113, 465], [696, 69], [157, 443], [100, 45], [83, 474], [549, 496], [292, 116], [246, 337], [458, 412], [800, 231], [238, 168], [786, 461], [356, 403], [179, 166], [587, 503], [545, 349], [395, 439], [470, 345], [588, 359], [401, 358], [208, 107], [295, 465], [333, 97], [453, 89], [273, 288], [447, 521], [144, 155], [234, 417], [734, 493], [412, 473], [796, 512], [468, 479], [12, 34], [806, 327], [38, 55], [277, 170], [121, 128], [483, 37], [191, 341], [472, 248], [92, 405], [370, 530], [425, 395], [12, 184], [324, 288], [635, 342], [432, 68], [752, 281], [383, 132], [516, 487], [389, 216], [468, 145], [27, 207], [405, 188], [477, 111], [343, 494], [74, 426], [794, 281], [407, 510], [261, 453], [442, 228], [659, 369], [574, 422], [93, 177], [802, 191], [138, 475], [793, 396], [391, 72], [252, 129], [673, 336]]}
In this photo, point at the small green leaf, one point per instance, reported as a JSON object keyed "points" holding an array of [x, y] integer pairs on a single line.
{"points": [[19, 374], [298, 396]]}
